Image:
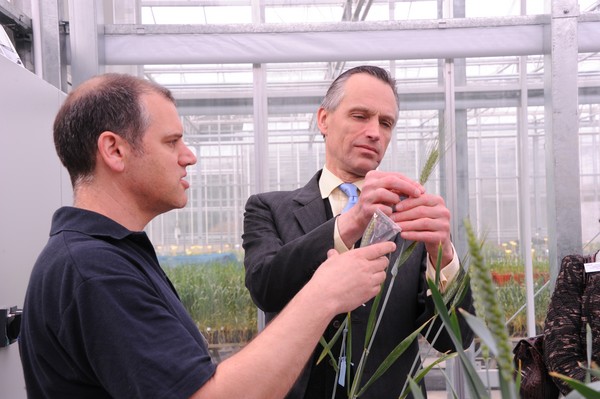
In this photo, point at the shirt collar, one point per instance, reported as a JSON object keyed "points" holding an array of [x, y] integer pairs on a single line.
{"points": [[329, 182], [88, 222]]}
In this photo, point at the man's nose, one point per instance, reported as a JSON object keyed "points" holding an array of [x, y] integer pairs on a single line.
{"points": [[373, 131], [188, 157]]}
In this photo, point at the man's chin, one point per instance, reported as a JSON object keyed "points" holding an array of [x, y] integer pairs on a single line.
{"points": [[181, 203], [366, 167]]}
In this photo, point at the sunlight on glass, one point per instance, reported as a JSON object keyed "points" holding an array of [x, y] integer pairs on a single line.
{"points": [[415, 10], [304, 14], [478, 8], [196, 15]]}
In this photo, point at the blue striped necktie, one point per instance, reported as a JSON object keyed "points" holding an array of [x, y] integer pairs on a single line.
{"points": [[352, 192]]}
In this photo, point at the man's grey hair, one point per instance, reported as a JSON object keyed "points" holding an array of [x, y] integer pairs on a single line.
{"points": [[335, 93]]}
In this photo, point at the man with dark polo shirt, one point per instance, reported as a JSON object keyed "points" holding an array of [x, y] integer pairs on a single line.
{"points": [[101, 319]]}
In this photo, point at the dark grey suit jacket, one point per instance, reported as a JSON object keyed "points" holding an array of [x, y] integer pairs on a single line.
{"points": [[286, 237]]}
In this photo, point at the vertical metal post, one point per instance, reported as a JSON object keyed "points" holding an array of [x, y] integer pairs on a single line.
{"points": [[562, 134], [46, 43], [261, 134], [86, 23], [454, 176], [525, 196], [449, 151], [524, 199]]}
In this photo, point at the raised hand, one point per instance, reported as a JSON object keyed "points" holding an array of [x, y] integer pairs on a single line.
{"points": [[422, 216], [350, 279], [426, 219]]}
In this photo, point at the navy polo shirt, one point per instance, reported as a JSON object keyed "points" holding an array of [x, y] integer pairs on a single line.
{"points": [[101, 319]]}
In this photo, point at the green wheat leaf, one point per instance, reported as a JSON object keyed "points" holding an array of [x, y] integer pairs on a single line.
{"points": [[328, 345], [580, 389], [373, 315], [415, 389], [445, 356], [474, 382], [392, 357], [480, 329]]}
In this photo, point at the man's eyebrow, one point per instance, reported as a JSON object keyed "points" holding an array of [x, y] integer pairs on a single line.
{"points": [[391, 118], [362, 108], [175, 135]]}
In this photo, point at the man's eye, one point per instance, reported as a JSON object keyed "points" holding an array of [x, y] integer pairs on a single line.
{"points": [[387, 123]]}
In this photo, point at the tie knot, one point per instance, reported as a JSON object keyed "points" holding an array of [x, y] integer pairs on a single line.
{"points": [[349, 189], [352, 192]]}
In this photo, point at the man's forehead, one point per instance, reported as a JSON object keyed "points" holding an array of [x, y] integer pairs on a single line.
{"points": [[369, 88]]}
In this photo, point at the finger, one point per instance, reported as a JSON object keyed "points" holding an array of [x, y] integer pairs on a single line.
{"points": [[331, 253], [378, 250], [425, 200], [379, 278], [395, 183], [381, 199], [374, 194], [436, 225], [405, 186], [392, 181], [424, 236], [422, 219], [395, 178]]}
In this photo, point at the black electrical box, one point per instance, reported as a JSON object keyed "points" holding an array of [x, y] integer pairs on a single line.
{"points": [[10, 325]]}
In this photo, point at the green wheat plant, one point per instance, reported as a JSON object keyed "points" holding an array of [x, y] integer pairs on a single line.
{"points": [[490, 325]]}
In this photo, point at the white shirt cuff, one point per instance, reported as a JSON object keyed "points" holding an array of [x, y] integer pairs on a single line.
{"points": [[338, 243]]}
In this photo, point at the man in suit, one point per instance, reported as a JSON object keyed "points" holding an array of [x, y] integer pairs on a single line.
{"points": [[287, 234]]}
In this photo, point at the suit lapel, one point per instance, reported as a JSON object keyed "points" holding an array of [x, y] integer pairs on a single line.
{"points": [[311, 211]]}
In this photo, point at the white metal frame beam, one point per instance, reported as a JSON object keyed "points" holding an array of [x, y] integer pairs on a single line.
{"points": [[344, 41]]}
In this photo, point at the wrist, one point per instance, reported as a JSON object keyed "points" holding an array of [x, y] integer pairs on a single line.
{"points": [[350, 229], [447, 254]]}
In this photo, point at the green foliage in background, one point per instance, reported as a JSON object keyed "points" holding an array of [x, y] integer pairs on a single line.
{"points": [[514, 264], [215, 296], [512, 296]]}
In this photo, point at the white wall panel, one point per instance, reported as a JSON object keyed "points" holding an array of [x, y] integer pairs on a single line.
{"points": [[32, 185]]}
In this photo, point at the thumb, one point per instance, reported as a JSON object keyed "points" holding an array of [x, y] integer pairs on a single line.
{"points": [[331, 253]]}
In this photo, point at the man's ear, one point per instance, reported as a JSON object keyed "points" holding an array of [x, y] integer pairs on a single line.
{"points": [[111, 150], [322, 121]]}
